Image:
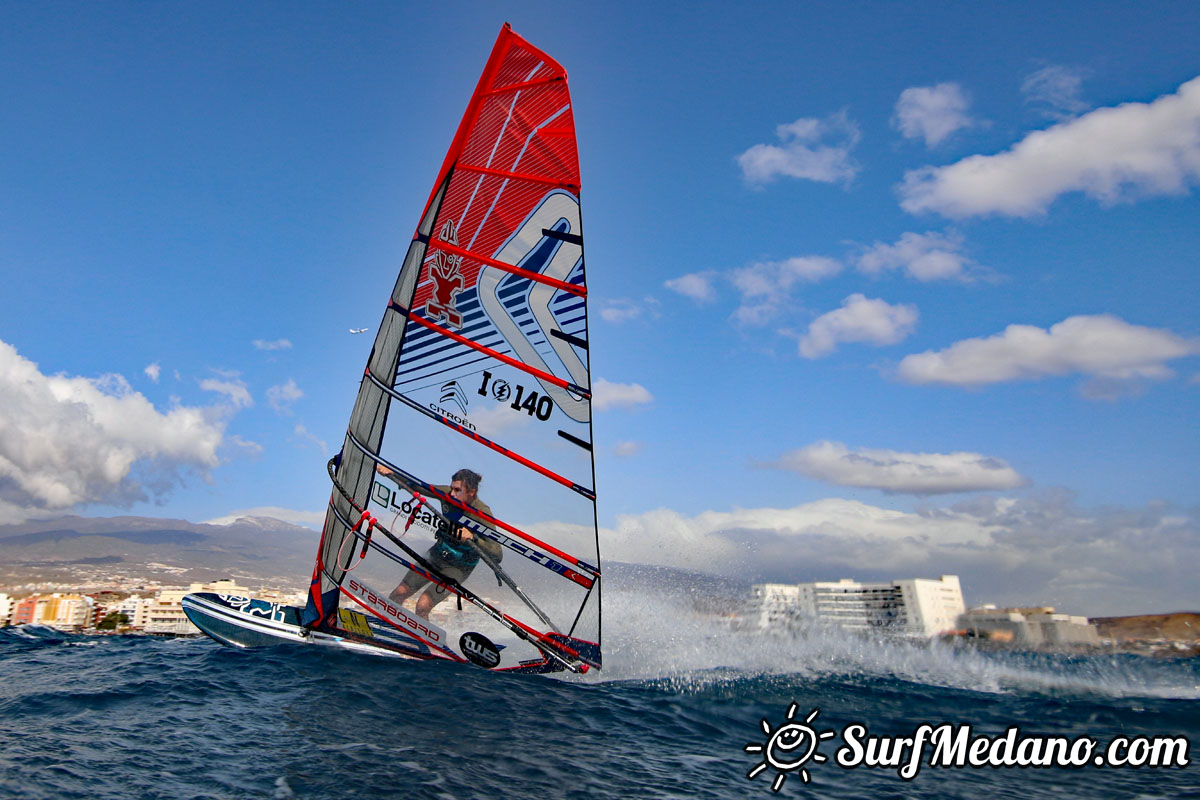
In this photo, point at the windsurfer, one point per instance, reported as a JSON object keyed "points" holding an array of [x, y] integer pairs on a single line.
{"points": [[455, 553]]}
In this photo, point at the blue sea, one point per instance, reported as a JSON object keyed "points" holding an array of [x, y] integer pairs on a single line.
{"points": [[681, 698]]}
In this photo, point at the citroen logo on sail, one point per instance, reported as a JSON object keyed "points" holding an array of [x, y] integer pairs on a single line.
{"points": [[448, 281], [453, 393]]}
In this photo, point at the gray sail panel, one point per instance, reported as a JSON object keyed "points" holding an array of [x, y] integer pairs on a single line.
{"points": [[356, 471]]}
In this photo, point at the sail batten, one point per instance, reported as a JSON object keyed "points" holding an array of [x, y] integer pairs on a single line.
{"points": [[460, 428], [496, 354], [516, 176], [497, 524]]}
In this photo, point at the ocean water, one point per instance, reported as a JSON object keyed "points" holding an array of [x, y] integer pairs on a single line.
{"points": [[680, 699]]}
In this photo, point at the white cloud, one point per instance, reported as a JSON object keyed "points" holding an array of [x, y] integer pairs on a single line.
{"points": [[627, 449], [308, 519], [1056, 91], [858, 320], [66, 441], [1102, 346], [895, 471], [1110, 154], [491, 422], [282, 396], [232, 388], [697, 286], [623, 309], [277, 344], [153, 371], [251, 448], [812, 149], [302, 433], [1033, 551], [606, 395], [924, 257], [766, 286], [932, 113]]}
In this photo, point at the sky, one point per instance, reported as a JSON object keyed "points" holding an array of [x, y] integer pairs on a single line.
{"points": [[876, 291]]}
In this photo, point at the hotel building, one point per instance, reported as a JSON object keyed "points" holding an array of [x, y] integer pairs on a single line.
{"points": [[915, 607]]}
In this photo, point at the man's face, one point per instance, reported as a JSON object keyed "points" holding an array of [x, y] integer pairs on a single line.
{"points": [[460, 493]]}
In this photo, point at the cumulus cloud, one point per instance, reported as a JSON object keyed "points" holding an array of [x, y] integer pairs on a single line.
{"points": [[71, 440], [282, 396], [606, 395], [153, 371], [627, 449], [895, 471], [1110, 154], [697, 285], [232, 388], [623, 309], [1101, 346], [860, 319], [277, 344], [247, 446], [492, 422], [766, 286], [932, 113], [1056, 91], [1032, 551], [303, 435], [923, 257], [811, 149]]}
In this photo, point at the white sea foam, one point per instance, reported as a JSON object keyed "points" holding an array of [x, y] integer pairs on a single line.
{"points": [[652, 635]]}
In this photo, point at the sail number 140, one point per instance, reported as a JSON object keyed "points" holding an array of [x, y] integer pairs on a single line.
{"points": [[531, 402]]}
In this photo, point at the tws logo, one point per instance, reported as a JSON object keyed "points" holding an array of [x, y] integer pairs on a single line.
{"points": [[479, 649]]}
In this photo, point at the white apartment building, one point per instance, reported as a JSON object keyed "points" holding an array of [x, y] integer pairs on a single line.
{"points": [[165, 614], [916, 607], [1028, 626], [773, 605], [6, 607], [136, 609]]}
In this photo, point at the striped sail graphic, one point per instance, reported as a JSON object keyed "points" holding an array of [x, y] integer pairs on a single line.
{"points": [[480, 362]]}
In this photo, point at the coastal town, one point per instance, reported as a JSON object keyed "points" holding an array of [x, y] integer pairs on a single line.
{"points": [[917, 609], [121, 607]]}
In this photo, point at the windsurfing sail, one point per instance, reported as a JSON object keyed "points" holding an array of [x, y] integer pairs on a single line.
{"points": [[480, 362]]}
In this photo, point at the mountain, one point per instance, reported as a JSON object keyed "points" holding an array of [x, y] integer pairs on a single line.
{"points": [[1182, 626], [85, 550]]}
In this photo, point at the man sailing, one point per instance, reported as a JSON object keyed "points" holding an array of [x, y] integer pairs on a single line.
{"points": [[455, 553]]}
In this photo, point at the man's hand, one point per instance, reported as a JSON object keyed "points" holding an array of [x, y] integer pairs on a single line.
{"points": [[382, 470], [465, 535]]}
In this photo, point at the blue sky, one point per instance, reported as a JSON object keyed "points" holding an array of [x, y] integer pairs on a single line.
{"points": [[876, 291]]}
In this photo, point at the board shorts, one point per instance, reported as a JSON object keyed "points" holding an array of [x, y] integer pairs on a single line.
{"points": [[437, 593]]}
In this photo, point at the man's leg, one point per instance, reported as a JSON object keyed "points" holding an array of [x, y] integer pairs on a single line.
{"points": [[411, 583], [436, 593], [426, 602]]}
